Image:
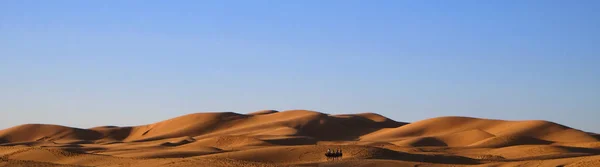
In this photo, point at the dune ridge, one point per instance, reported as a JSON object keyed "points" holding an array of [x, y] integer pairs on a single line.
{"points": [[297, 138]]}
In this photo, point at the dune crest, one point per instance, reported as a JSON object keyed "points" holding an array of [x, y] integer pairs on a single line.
{"points": [[299, 137], [263, 112]]}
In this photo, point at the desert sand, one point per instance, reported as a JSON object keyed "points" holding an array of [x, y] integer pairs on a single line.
{"points": [[300, 138]]}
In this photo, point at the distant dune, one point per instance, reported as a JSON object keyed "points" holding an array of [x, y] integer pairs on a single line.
{"points": [[300, 138]]}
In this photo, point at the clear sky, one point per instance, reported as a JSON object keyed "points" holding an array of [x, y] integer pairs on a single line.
{"points": [[92, 63]]}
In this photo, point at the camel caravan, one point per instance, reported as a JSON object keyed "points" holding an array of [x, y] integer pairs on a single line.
{"points": [[333, 155]]}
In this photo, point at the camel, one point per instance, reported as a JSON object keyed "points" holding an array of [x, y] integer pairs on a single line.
{"points": [[333, 155]]}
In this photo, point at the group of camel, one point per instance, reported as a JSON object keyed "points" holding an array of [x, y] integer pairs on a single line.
{"points": [[330, 154]]}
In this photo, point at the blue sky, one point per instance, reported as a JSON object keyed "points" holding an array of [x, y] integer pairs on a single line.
{"points": [[92, 63]]}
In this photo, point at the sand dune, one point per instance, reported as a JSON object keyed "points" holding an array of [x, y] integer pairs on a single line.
{"points": [[41, 132], [482, 132], [300, 138]]}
